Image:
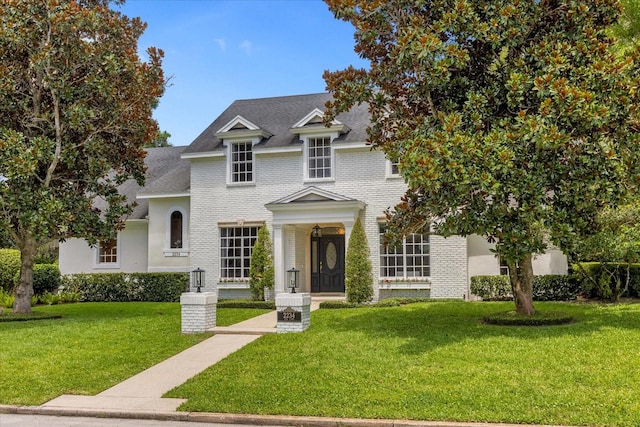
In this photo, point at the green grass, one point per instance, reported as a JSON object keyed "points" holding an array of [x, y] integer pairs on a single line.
{"points": [[91, 348], [437, 361]]}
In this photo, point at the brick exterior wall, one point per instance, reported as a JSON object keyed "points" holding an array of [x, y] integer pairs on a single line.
{"points": [[198, 312], [359, 174]]}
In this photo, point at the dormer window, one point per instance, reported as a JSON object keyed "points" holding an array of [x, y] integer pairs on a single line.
{"points": [[317, 139], [319, 158], [239, 136], [241, 163]]}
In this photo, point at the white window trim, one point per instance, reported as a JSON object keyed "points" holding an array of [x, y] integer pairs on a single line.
{"points": [[389, 170], [229, 143], [405, 282], [184, 250], [237, 224], [107, 265], [305, 157]]}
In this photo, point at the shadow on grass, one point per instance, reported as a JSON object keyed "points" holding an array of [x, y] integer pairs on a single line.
{"points": [[431, 325]]}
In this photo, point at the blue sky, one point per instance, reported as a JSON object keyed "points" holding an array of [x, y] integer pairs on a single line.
{"points": [[218, 51]]}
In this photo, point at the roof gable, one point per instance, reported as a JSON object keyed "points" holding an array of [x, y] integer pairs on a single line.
{"points": [[276, 116], [312, 194], [239, 127]]}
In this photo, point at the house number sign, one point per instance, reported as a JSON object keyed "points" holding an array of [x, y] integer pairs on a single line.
{"points": [[289, 315]]}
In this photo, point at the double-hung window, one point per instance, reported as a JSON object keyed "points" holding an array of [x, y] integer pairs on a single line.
{"points": [[236, 245], [319, 158], [408, 261], [241, 162], [107, 254]]}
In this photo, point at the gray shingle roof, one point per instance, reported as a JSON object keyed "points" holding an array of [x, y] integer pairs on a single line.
{"points": [[166, 173], [277, 116]]}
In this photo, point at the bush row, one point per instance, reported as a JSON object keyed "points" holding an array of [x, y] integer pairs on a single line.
{"points": [[244, 303], [550, 287], [593, 281], [123, 287]]}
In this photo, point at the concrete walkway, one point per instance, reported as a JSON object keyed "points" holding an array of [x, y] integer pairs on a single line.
{"points": [[143, 392]]}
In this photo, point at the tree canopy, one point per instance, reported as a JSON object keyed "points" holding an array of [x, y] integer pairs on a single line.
{"points": [[510, 119], [75, 112]]}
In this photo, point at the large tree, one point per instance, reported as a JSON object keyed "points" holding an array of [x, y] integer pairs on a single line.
{"points": [[75, 112], [510, 119]]}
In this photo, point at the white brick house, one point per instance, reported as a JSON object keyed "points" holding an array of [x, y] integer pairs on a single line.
{"points": [[272, 162]]}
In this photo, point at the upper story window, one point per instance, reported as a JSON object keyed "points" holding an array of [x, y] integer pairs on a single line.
{"points": [[176, 240], [392, 169], [410, 260], [236, 245], [319, 158], [241, 163]]}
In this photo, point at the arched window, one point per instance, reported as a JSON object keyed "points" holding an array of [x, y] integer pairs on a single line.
{"points": [[176, 241]]}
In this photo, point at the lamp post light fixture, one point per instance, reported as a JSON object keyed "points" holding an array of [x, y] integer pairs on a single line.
{"points": [[197, 278], [292, 276]]}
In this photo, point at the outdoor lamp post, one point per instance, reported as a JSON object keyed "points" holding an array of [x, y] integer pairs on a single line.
{"points": [[292, 276], [197, 278]]}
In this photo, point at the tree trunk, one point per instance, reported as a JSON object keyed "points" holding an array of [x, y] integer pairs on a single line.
{"points": [[24, 290], [521, 278]]}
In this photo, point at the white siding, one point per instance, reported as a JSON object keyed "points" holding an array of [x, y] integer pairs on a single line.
{"points": [[161, 257]]}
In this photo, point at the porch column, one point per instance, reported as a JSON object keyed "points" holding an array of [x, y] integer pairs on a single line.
{"points": [[278, 259], [348, 227]]}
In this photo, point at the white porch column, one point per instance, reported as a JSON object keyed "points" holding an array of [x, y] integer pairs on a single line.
{"points": [[278, 259], [348, 228]]}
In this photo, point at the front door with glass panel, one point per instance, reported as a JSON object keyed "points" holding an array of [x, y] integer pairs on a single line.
{"points": [[327, 263]]}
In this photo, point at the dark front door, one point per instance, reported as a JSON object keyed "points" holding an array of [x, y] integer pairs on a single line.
{"points": [[327, 259]]}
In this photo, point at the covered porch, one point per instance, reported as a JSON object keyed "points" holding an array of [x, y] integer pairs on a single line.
{"points": [[311, 230]]}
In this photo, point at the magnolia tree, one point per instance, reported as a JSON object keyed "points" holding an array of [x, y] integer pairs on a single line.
{"points": [[75, 112], [510, 119]]}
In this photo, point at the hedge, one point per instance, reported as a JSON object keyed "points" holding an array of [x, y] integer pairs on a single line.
{"points": [[125, 287], [550, 287], [9, 266], [600, 285], [46, 278]]}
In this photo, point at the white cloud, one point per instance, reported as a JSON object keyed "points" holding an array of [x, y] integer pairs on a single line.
{"points": [[247, 46], [222, 44]]}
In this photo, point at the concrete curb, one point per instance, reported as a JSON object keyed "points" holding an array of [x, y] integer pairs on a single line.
{"points": [[262, 420]]}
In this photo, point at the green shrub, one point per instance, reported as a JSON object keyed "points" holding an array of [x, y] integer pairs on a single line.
{"points": [[555, 287], [261, 270], [491, 288], [271, 305], [9, 266], [358, 275], [6, 299], [338, 304], [159, 287], [607, 280], [49, 298], [388, 302], [548, 287], [124, 287], [46, 278]]}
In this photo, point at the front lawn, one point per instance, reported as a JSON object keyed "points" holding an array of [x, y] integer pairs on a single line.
{"points": [[437, 361], [91, 348]]}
